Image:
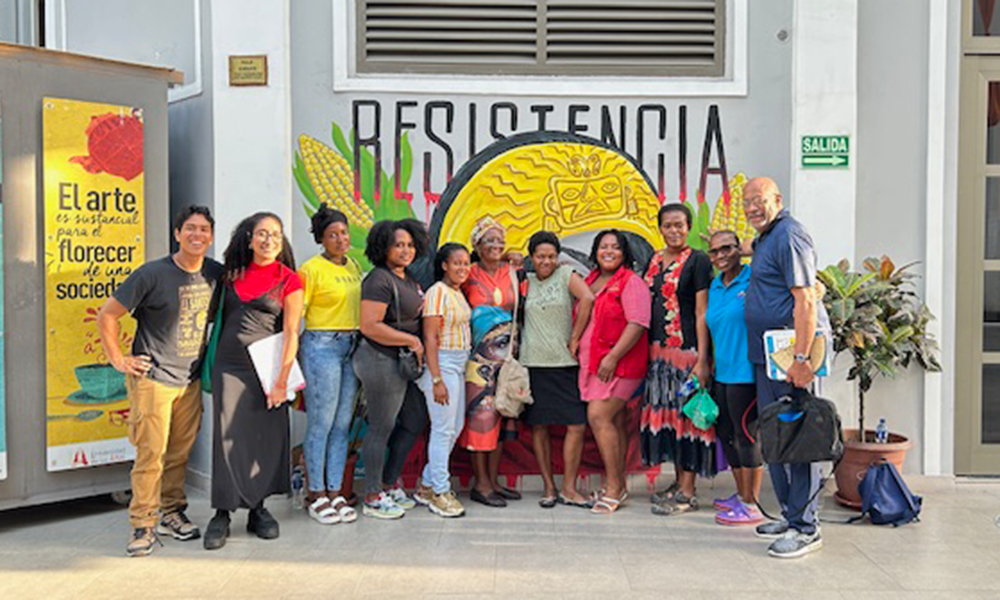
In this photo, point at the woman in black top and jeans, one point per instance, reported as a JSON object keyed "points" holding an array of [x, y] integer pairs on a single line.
{"points": [[391, 307]]}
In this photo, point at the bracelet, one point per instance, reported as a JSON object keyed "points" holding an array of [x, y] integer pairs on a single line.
{"points": [[437, 379]]}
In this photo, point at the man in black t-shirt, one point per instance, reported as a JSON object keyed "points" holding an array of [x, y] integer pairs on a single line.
{"points": [[171, 300]]}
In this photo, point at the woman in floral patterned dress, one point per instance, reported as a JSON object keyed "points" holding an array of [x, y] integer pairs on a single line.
{"points": [[679, 278]]}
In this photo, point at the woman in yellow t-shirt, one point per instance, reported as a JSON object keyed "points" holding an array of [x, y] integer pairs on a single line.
{"points": [[332, 282]]}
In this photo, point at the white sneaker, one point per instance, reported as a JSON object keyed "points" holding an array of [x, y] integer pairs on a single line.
{"points": [[383, 507], [400, 498], [323, 512], [795, 544]]}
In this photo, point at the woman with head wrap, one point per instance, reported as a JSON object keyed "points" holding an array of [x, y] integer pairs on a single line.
{"points": [[490, 290]]}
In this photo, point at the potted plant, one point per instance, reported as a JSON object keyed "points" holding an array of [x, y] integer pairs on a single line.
{"points": [[877, 318]]}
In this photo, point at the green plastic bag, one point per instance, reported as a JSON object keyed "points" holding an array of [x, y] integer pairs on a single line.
{"points": [[213, 343], [702, 410]]}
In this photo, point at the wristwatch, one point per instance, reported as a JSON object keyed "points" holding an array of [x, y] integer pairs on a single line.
{"points": [[436, 380], [802, 358]]}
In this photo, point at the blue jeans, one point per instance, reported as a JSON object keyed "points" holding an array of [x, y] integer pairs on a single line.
{"points": [[329, 393], [447, 420], [793, 484]]}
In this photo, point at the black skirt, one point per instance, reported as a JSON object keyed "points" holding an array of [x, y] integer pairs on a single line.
{"points": [[556, 394]]}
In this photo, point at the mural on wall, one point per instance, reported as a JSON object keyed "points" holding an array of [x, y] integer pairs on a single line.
{"points": [[94, 226], [561, 181]]}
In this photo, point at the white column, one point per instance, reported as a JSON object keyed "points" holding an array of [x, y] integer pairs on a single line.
{"points": [[824, 102], [252, 126], [942, 201]]}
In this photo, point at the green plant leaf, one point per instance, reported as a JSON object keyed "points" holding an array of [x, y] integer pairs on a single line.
{"points": [[405, 162], [858, 283], [340, 143], [302, 180]]}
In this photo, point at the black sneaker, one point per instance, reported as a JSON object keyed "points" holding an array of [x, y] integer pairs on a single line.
{"points": [[178, 526], [142, 543], [261, 523], [217, 531]]}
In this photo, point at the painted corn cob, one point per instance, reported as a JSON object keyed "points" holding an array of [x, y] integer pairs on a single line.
{"points": [[729, 215], [333, 180]]}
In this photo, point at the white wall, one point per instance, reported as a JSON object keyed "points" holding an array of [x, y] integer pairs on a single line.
{"points": [[891, 163], [251, 125]]}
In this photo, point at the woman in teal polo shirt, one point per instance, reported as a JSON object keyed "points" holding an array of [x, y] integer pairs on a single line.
{"points": [[734, 390]]}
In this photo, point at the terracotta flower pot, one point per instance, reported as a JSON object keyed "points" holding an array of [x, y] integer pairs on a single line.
{"points": [[858, 456]]}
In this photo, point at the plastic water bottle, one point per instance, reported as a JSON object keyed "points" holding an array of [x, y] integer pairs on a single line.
{"points": [[881, 432], [298, 491], [689, 387]]}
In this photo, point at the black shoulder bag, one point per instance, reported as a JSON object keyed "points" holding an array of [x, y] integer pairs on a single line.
{"points": [[409, 367]]}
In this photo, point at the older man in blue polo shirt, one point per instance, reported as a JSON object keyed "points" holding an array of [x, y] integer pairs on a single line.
{"points": [[781, 295]]}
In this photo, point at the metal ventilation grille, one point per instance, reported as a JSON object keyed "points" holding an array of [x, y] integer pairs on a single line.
{"points": [[541, 37], [660, 33]]}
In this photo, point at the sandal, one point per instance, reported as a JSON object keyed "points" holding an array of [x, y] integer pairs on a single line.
{"points": [[323, 512], [347, 514], [561, 499], [676, 505], [548, 501], [666, 495], [606, 506], [493, 499]]}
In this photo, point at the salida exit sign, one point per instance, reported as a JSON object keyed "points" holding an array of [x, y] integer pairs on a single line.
{"points": [[825, 152]]}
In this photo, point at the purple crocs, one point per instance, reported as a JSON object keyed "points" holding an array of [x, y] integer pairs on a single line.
{"points": [[727, 503], [741, 514]]}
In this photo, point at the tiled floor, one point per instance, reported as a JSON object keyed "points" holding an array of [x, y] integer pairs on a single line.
{"points": [[76, 550]]}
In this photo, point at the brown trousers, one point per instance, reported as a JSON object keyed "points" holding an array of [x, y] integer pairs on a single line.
{"points": [[163, 424]]}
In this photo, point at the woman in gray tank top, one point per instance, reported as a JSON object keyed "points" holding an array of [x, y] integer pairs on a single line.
{"points": [[549, 343]]}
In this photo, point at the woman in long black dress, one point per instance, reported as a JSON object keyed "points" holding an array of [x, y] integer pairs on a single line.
{"points": [[262, 296]]}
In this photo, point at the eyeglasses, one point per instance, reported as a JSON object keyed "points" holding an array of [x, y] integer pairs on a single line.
{"points": [[492, 241], [264, 235], [713, 252], [755, 201]]}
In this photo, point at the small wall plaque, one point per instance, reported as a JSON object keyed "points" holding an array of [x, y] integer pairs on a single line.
{"points": [[248, 70]]}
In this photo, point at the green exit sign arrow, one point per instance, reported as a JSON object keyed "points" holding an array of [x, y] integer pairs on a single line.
{"points": [[825, 152]]}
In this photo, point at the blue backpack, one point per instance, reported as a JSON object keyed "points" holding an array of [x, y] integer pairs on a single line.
{"points": [[885, 499]]}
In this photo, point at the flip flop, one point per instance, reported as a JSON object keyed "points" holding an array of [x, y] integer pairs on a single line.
{"points": [[561, 499], [548, 502], [493, 499]]}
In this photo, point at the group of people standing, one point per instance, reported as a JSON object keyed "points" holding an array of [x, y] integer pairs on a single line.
{"points": [[590, 345]]}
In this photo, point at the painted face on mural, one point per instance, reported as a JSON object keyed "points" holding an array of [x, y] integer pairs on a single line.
{"points": [[401, 252], [761, 202], [583, 200], [545, 259], [490, 248], [724, 251], [609, 254], [336, 239], [195, 235], [267, 240], [456, 268], [674, 229]]}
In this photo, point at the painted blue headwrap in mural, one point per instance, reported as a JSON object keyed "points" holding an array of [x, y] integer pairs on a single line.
{"points": [[484, 319]]}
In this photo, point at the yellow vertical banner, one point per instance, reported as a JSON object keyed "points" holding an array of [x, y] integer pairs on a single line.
{"points": [[94, 226]]}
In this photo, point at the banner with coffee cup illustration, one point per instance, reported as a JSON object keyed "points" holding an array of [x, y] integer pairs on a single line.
{"points": [[94, 226]]}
